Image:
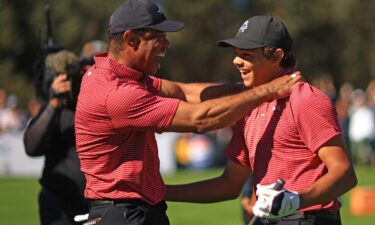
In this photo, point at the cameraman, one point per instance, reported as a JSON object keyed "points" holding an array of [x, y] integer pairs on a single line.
{"points": [[51, 133]]}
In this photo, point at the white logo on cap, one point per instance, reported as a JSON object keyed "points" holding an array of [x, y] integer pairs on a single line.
{"points": [[244, 26]]}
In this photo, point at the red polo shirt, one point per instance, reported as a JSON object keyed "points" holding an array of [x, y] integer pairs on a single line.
{"points": [[118, 111], [280, 139]]}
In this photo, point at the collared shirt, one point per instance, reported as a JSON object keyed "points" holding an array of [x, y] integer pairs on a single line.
{"points": [[280, 139], [118, 111]]}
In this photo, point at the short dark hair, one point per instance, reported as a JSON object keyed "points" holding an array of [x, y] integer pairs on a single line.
{"points": [[288, 60], [117, 40], [116, 43]]}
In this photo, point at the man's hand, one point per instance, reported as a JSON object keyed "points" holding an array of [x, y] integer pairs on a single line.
{"points": [[282, 86], [275, 204], [59, 86]]}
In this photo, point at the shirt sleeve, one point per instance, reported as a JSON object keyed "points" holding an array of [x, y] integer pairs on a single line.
{"points": [[237, 150], [135, 107], [153, 84], [314, 115], [39, 132]]}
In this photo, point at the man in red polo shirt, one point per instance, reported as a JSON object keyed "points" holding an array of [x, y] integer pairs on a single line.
{"points": [[297, 139], [121, 105]]}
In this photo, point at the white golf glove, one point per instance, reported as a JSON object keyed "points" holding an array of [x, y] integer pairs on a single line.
{"points": [[272, 204]]}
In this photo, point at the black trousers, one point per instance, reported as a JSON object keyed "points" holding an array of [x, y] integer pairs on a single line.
{"points": [[51, 212], [128, 213], [305, 220]]}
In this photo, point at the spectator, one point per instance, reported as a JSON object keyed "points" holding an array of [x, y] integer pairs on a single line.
{"points": [[12, 118], [343, 105], [370, 92], [51, 134], [361, 128], [33, 107], [3, 97], [325, 84]]}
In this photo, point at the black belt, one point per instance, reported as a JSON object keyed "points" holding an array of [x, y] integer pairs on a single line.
{"points": [[111, 202], [319, 215]]}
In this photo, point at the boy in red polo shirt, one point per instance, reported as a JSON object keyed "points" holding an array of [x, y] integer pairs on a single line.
{"points": [[297, 138]]}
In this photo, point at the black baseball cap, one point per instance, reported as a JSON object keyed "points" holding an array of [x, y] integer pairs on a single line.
{"points": [[260, 31], [138, 14]]}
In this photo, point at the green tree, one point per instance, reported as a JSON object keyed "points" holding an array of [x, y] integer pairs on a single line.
{"points": [[331, 37]]}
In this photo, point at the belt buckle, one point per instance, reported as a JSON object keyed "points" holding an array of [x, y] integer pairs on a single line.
{"points": [[96, 203], [294, 216]]}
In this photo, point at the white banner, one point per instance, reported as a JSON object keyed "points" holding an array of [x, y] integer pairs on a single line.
{"points": [[13, 159]]}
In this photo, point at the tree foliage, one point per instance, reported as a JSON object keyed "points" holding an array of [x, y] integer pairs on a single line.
{"points": [[330, 37]]}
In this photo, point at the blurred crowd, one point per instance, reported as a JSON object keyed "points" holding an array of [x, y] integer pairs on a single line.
{"points": [[12, 116], [356, 112]]}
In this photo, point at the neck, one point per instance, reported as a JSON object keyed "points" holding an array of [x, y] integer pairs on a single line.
{"points": [[283, 71], [120, 58]]}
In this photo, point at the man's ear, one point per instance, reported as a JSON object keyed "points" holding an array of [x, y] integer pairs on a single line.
{"points": [[278, 55], [131, 39]]}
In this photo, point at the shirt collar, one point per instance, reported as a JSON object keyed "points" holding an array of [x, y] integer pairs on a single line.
{"points": [[104, 62], [288, 70]]}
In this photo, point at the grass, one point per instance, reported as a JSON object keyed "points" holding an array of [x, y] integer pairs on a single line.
{"points": [[18, 201], [18, 198], [223, 213]]}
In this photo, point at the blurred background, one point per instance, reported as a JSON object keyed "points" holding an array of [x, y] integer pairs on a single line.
{"points": [[335, 46]]}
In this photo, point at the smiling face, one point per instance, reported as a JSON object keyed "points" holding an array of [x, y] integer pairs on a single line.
{"points": [[254, 67], [151, 47]]}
